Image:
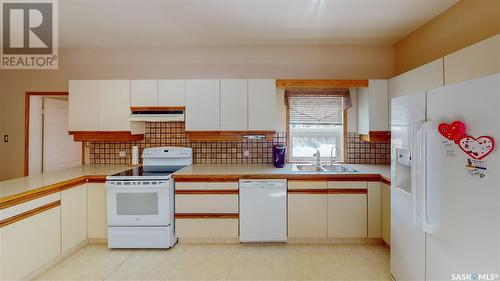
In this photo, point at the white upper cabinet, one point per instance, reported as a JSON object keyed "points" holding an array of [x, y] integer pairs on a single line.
{"points": [[114, 101], [202, 105], [144, 93], [171, 92], [233, 105], [101, 105], [373, 107], [425, 77], [477, 60], [262, 104], [83, 105]]}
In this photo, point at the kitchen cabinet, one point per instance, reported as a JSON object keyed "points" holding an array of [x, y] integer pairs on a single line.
{"points": [[478, 60], [98, 106], [171, 92], [374, 210], [96, 211], [114, 104], [233, 105], [261, 104], [373, 111], [347, 210], [307, 211], [386, 212], [73, 217], [202, 105], [30, 243], [83, 105], [206, 210], [143, 93], [425, 77]]}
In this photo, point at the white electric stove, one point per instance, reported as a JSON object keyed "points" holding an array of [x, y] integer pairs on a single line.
{"points": [[140, 201]]}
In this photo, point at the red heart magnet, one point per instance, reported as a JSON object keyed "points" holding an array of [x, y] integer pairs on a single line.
{"points": [[454, 131], [477, 148]]}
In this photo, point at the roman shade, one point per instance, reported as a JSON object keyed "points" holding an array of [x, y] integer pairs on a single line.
{"points": [[317, 106]]}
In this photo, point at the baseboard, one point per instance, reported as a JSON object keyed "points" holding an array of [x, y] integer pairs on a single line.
{"points": [[98, 240], [208, 240], [34, 274], [375, 241]]}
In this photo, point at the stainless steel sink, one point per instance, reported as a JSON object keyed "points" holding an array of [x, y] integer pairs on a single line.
{"points": [[308, 168], [333, 168], [338, 168]]}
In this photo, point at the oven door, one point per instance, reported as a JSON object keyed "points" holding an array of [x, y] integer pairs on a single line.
{"points": [[139, 203]]}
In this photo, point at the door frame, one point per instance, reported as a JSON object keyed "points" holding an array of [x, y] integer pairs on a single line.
{"points": [[27, 124]]}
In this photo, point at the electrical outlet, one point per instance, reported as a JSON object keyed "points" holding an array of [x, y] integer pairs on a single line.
{"points": [[6, 138], [246, 153], [122, 153]]}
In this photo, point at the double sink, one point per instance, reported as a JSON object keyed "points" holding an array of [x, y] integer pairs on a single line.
{"points": [[330, 168]]}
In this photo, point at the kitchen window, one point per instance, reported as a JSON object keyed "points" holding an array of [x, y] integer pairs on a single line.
{"points": [[316, 122]]}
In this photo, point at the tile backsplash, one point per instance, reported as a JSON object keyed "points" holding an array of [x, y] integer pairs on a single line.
{"points": [[224, 152]]}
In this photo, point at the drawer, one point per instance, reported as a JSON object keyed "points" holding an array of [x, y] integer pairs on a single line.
{"points": [[307, 185], [190, 186], [206, 203], [222, 185], [347, 185], [206, 228]]}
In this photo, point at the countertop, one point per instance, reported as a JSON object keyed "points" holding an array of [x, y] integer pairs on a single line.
{"points": [[24, 185], [39, 183], [268, 170]]}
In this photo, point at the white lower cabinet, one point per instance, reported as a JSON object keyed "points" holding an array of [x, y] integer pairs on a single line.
{"points": [[73, 216], [385, 195], [206, 228], [96, 211], [307, 212], [347, 216], [29, 244]]}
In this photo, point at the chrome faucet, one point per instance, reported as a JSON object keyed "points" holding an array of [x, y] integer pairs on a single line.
{"points": [[318, 157], [334, 159]]}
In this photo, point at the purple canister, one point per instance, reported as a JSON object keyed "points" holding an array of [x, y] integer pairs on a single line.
{"points": [[279, 155]]}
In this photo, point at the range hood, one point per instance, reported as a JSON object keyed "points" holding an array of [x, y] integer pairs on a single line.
{"points": [[156, 114]]}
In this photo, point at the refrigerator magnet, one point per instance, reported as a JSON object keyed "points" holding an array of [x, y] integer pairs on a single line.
{"points": [[476, 168], [454, 131], [477, 148]]}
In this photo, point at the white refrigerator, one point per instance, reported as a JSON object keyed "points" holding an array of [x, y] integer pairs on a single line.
{"points": [[445, 204]]}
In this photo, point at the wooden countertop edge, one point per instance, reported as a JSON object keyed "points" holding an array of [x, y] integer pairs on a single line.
{"points": [[35, 193], [22, 197], [296, 177]]}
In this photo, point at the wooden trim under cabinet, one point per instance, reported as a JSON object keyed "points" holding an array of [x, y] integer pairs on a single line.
{"points": [[226, 135], [376, 136], [207, 192], [157, 108], [105, 136], [321, 83], [329, 191], [207, 216], [29, 213]]}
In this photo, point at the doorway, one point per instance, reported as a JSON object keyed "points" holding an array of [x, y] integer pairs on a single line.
{"points": [[48, 147]]}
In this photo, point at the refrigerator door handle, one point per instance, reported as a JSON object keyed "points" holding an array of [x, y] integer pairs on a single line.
{"points": [[415, 158], [428, 128]]}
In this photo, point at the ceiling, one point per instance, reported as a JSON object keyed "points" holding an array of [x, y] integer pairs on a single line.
{"points": [[157, 23]]}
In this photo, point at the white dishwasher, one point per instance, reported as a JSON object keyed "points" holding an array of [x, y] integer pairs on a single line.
{"points": [[263, 205]]}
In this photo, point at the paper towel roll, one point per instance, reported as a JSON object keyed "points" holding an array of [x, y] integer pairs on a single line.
{"points": [[135, 155]]}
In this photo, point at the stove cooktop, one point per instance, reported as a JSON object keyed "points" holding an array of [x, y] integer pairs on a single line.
{"points": [[146, 173]]}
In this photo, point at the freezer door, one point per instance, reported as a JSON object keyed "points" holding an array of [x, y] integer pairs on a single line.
{"points": [[463, 212], [407, 237]]}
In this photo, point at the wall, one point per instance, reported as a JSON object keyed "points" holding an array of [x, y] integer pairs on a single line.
{"points": [[354, 62], [466, 23]]}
